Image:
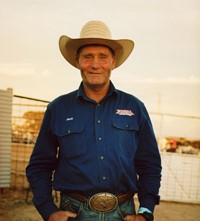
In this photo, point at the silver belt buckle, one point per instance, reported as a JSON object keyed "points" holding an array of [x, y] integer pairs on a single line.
{"points": [[103, 202]]}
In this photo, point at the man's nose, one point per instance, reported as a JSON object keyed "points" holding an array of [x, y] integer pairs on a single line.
{"points": [[95, 63]]}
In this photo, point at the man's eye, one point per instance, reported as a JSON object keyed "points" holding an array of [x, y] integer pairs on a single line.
{"points": [[103, 56], [88, 57]]}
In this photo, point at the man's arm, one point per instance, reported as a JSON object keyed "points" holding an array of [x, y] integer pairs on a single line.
{"points": [[148, 164], [43, 162]]}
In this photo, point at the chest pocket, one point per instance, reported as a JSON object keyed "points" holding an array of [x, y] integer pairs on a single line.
{"points": [[70, 138], [125, 133]]}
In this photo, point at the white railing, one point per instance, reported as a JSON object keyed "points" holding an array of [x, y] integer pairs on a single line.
{"points": [[180, 177]]}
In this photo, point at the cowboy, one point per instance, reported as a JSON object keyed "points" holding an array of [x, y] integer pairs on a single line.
{"points": [[96, 144]]}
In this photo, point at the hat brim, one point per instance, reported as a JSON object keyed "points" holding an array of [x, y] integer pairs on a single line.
{"points": [[68, 47]]}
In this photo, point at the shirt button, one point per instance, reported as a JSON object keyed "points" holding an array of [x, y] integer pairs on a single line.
{"points": [[100, 138], [103, 178], [98, 105], [126, 126], [98, 121], [69, 131], [102, 157]]}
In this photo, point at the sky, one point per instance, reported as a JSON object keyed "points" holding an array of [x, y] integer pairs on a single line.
{"points": [[163, 70]]}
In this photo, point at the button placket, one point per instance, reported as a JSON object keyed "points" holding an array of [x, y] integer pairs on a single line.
{"points": [[101, 146], [99, 128]]}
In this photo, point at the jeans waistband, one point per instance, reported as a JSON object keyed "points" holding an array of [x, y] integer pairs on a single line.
{"points": [[123, 197]]}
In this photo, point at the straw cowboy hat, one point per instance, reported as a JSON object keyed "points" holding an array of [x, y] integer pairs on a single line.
{"points": [[95, 32]]}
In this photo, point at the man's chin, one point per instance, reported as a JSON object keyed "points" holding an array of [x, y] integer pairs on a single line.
{"points": [[96, 85]]}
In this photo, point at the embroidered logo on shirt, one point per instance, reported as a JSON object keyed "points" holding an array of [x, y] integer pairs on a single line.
{"points": [[69, 118], [125, 112]]}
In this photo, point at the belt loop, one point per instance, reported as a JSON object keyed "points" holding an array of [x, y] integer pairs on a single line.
{"points": [[87, 202]]}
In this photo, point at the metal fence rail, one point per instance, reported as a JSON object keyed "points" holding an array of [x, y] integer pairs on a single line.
{"points": [[180, 177], [26, 120]]}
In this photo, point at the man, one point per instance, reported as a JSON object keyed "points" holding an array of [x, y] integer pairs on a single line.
{"points": [[96, 144]]}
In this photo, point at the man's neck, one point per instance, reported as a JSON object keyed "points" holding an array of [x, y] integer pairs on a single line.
{"points": [[96, 93]]}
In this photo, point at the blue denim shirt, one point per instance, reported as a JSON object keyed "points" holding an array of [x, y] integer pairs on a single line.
{"points": [[93, 147]]}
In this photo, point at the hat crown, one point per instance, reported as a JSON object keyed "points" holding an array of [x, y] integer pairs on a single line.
{"points": [[95, 29]]}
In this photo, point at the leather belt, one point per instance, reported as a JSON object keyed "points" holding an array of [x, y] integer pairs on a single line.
{"points": [[102, 202]]}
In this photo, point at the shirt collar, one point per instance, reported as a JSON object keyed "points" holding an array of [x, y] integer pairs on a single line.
{"points": [[81, 93]]}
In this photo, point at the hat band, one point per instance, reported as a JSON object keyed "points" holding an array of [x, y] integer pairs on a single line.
{"points": [[100, 45]]}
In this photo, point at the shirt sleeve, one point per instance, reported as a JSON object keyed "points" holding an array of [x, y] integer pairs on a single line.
{"points": [[39, 172], [148, 163]]}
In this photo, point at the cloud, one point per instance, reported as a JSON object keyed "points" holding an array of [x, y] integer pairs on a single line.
{"points": [[21, 70], [184, 80], [171, 80], [134, 79], [17, 69]]}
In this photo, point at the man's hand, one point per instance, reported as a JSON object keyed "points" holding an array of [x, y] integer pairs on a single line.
{"points": [[61, 216], [134, 218]]}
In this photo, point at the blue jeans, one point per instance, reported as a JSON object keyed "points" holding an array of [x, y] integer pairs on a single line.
{"points": [[84, 213]]}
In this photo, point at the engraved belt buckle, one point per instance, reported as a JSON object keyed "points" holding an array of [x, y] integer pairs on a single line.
{"points": [[103, 202]]}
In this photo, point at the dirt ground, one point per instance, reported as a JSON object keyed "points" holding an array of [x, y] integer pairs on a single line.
{"points": [[13, 207]]}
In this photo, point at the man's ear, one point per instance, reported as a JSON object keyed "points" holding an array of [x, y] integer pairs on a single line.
{"points": [[77, 64], [114, 63]]}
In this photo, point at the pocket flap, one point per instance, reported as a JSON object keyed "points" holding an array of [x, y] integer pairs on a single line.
{"points": [[69, 127], [125, 124]]}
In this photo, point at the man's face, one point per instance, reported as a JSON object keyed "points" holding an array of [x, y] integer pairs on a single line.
{"points": [[95, 64]]}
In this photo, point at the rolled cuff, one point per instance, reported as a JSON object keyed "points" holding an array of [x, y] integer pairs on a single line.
{"points": [[47, 209], [150, 203]]}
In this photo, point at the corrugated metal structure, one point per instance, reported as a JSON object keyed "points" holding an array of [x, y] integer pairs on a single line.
{"points": [[5, 137]]}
